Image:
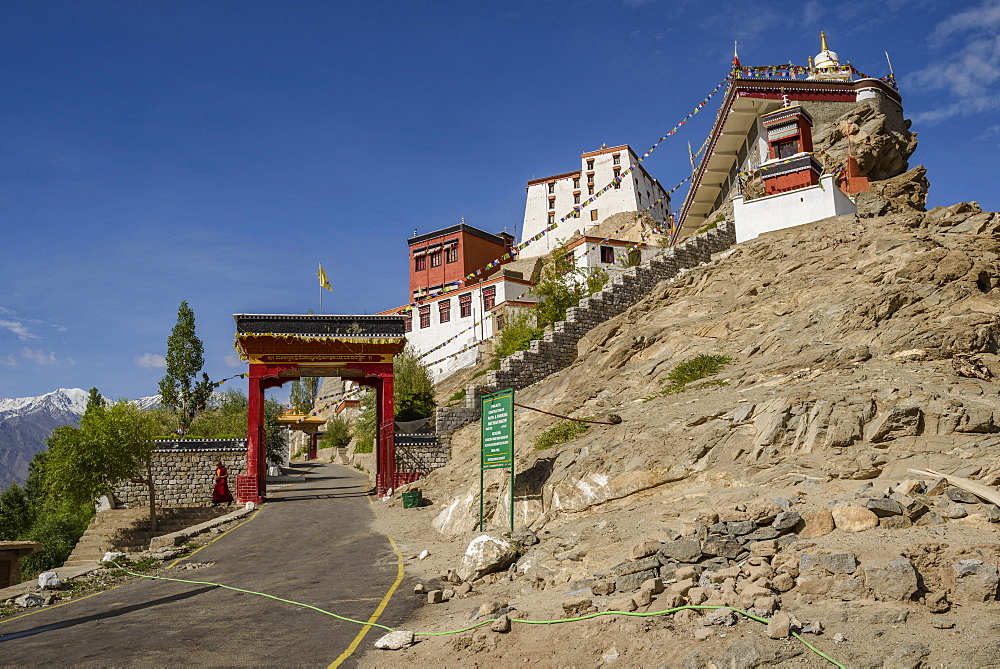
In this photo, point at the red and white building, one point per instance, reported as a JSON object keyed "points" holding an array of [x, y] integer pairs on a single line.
{"points": [[551, 198], [449, 316], [764, 128]]}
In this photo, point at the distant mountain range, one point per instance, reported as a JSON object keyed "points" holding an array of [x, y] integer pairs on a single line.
{"points": [[26, 422]]}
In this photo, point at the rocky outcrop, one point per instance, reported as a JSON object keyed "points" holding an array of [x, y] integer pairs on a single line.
{"points": [[904, 193], [880, 140]]}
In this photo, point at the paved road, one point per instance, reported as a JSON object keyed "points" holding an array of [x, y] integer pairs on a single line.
{"points": [[313, 543]]}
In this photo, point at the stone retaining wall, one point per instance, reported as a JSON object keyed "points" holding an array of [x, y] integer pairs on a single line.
{"points": [[185, 476], [557, 349], [422, 459]]}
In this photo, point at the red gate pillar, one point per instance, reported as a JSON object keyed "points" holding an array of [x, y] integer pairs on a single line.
{"points": [[385, 458], [250, 487], [313, 438]]}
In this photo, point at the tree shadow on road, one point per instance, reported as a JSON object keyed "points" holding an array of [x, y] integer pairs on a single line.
{"points": [[72, 622]]}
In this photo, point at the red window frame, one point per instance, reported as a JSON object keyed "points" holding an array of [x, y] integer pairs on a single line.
{"points": [[420, 263], [444, 311], [489, 297], [425, 316], [607, 254], [465, 305]]}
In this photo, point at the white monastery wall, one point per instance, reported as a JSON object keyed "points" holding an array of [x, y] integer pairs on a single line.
{"points": [[786, 210], [424, 339], [636, 192]]}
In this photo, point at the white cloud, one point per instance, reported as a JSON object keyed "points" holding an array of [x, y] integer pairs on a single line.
{"points": [[39, 356], [966, 78], [984, 17], [9, 361], [18, 328], [151, 361], [233, 360]]}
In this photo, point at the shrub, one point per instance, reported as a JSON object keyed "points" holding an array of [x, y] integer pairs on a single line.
{"points": [[560, 433], [457, 397], [696, 368], [517, 335]]}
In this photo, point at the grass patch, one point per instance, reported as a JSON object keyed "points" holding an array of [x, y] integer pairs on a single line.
{"points": [[560, 433], [359, 467], [457, 397], [696, 368]]}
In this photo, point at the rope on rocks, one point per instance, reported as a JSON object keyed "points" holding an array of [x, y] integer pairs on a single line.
{"points": [[615, 418]]}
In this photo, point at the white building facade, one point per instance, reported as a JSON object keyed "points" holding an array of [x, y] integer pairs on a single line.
{"points": [[449, 327], [551, 198]]}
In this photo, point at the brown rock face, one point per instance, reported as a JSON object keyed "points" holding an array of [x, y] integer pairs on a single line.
{"points": [[818, 524], [880, 140]]}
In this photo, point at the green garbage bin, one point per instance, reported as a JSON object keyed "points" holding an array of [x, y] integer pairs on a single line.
{"points": [[412, 499]]}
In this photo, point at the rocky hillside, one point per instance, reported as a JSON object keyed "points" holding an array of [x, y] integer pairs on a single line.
{"points": [[861, 348]]}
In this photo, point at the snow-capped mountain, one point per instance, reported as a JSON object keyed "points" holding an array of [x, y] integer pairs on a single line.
{"points": [[26, 422]]}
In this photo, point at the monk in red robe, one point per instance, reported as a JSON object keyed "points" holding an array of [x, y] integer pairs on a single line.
{"points": [[220, 493]]}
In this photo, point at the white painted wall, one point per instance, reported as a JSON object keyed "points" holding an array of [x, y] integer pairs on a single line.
{"points": [[424, 339], [786, 210], [637, 191]]}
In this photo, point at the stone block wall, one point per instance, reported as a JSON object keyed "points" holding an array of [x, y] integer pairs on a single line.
{"points": [[557, 349], [422, 459], [185, 476]]}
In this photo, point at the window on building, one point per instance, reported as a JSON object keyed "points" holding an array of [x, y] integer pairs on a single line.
{"points": [[420, 263], [451, 254], [465, 305], [444, 311], [786, 149], [607, 254], [407, 321], [552, 218], [590, 178], [590, 189], [425, 316], [576, 182], [436, 259], [590, 164], [617, 159], [593, 214], [552, 203], [576, 198], [552, 187], [489, 297]]}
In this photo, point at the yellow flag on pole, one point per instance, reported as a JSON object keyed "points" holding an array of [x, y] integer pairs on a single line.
{"points": [[323, 281]]}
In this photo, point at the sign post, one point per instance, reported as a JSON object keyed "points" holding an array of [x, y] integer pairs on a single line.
{"points": [[497, 452]]}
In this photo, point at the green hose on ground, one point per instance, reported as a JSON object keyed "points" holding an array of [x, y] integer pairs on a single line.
{"points": [[486, 622]]}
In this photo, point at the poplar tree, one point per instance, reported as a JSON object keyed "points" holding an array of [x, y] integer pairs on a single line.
{"points": [[185, 357]]}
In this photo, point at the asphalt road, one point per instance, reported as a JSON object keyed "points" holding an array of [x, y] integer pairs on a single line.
{"points": [[313, 543]]}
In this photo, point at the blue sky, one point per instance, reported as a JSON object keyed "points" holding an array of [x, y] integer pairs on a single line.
{"points": [[155, 152]]}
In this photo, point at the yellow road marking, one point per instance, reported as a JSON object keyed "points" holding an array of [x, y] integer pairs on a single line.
{"points": [[99, 592], [378, 611]]}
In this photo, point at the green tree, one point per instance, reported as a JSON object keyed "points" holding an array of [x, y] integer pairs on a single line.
{"points": [[562, 285], [94, 400], [413, 394], [303, 394], [185, 358], [337, 433], [113, 444], [229, 421]]}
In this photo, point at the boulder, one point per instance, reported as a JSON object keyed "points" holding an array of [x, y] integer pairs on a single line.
{"points": [[645, 549], [818, 523], [779, 626], [687, 549], [971, 581], [577, 606], [395, 640], [49, 580], [896, 581], [854, 518], [486, 555]]}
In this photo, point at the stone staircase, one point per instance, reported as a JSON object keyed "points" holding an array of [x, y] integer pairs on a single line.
{"points": [[128, 530]]}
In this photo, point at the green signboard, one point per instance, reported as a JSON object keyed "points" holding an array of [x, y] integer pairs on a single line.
{"points": [[498, 430], [497, 452]]}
